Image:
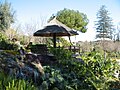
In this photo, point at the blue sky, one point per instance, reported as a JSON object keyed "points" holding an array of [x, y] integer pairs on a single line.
{"points": [[27, 10]]}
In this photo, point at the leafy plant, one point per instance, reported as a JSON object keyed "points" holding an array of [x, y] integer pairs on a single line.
{"points": [[103, 70], [10, 83], [91, 71]]}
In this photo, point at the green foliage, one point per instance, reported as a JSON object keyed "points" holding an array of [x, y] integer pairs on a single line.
{"points": [[10, 83], [6, 15], [52, 79], [20, 85], [2, 36], [23, 39], [71, 70], [60, 42], [5, 44], [39, 49], [103, 70], [104, 25], [107, 65], [115, 85], [93, 73], [114, 55], [12, 52], [73, 19], [99, 49], [61, 54], [64, 42]]}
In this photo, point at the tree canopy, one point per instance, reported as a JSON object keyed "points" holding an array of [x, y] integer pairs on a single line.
{"points": [[104, 25], [6, 15], [73, 19]]}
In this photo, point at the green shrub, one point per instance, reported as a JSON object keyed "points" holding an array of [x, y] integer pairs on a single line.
{"points": [[92, 72], [95, 73], [103, 70], [6, 45], [11, 83], [38, 48], [2, 36], [61, 54]]}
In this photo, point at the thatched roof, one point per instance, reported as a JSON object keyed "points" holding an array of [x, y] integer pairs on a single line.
{"points": [[55, 27]]}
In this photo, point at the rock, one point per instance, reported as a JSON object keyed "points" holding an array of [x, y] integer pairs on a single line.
{"points": [[28, 69]]}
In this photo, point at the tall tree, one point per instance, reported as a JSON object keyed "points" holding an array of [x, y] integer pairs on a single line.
{"points": [[6, 15], [104, 25], [73, 19], [118, 32]]}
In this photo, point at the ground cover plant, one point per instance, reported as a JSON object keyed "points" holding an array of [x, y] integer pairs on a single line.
{"points": [[89, 72], [11, 83], [92, 71]]}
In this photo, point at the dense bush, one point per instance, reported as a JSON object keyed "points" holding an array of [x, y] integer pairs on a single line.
{"points": [[2, 36], [90, 73], [5, 44], [10, 83], [38, 48]]}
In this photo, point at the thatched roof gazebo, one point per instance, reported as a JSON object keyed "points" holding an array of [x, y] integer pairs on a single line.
{"points": [[55, 29]]}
